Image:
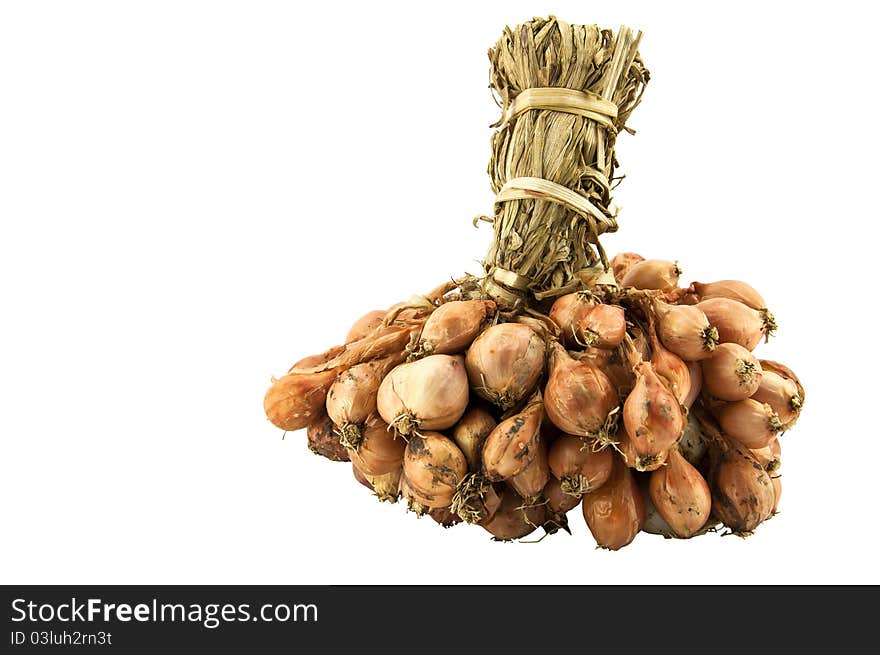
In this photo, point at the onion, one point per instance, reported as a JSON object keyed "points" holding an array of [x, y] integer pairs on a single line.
{"points": [[776, 480], [567, 313], [681, 495], [324, 441], [579, 398], [577, 467], [505, 362], [749, 422], [685, 331], [365, 325], [433, 466], [530, 482], [514, 518], [414, 502], [622, 262], [351, 398], [631, 456], [652, 417], [444, 516], [671, 369], [296, 399], [604, 326], [654, 523], [453, 326], [742, 492], [386, 486], [782, 393], [470, 434], [615, 512], [513, 444], [652, 274], [696, 371], [691, 443], [770, 456], [379, 450], [731, 373], [731, 289], [475, 499], [736, 322], [360, 477], [427, 394], [558, 501]]}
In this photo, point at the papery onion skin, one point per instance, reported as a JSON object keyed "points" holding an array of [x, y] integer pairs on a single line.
{"points": [[615, 512], [513, 444], [433, 466], [386, 486], [360, 477], [365, 325], [681, 495], [427, 394], [692, 443], [296, 399], [505, 362], [731, 373], [696, 379], [672, 369], [622, 262], [351, 398], [770, 456]]}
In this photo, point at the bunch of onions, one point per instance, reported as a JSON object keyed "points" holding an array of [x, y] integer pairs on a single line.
{"points": [[577, 467], [427, 394], [615, 512], [579, 398], [505, 362], [476, 412]]}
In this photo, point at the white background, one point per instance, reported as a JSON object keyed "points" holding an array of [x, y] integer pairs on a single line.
{"points": [[195, 194]]}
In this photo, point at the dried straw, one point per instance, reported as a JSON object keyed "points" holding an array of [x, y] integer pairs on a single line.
{"points": [[553, 154]]}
